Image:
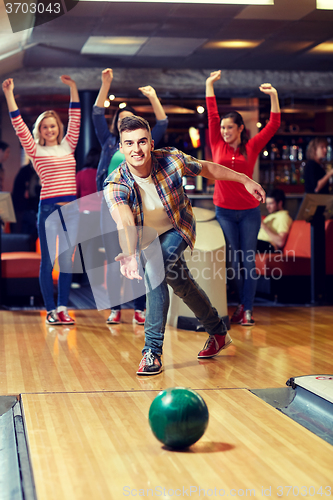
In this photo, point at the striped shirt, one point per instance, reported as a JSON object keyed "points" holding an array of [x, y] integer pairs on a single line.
{"points": [[169, 166], [55, 165]]}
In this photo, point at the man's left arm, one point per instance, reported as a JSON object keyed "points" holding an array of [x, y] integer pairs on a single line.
{"points": [[276, 239], [215, 171]]}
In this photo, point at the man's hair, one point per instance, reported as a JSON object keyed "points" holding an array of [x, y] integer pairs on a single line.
{"points": [[4, 145], [313, 145], [130, 123], [277, 194]]}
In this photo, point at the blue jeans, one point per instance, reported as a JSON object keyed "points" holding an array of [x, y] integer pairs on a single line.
{"points": [[179, 278], [46, 266], [240, 228]]}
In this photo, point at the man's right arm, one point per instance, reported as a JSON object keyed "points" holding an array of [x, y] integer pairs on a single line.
{"points": [[127, 233]]}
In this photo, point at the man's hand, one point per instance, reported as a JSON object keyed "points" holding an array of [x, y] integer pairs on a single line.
{"points": [[107, 76], [255, 189], [8, 85], [128, 266], [148, 91]]}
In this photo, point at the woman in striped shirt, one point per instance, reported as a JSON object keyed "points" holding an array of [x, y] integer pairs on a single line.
{"points": [[53, 159]]}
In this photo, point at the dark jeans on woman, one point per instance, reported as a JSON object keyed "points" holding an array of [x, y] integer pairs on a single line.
{"points": [[48, 234], [241, 228]]}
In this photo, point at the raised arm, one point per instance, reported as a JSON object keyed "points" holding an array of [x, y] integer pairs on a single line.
{"points": [[215, 171], [74, 95], [98, 112], [213, 77], [73, 129], [150, 93], [267, 88], [20, 127], [107, 77], [8, 90]]}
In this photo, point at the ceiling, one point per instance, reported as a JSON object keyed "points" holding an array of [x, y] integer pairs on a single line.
{"points": [[172, 46]]}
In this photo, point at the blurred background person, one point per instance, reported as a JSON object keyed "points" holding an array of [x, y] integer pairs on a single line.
{"points": [[276, 226], [316, 179], [110, 159], [4, 155]]}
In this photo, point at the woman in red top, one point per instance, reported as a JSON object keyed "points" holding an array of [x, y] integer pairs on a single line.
{"points": [[237, 212]]}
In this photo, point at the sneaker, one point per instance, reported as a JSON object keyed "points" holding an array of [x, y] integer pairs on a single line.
{"points": [[114, 318], [247, 318], [150, 364], [52, 318], [237, 317], [215, 344], [65, 318], [139, 317]]}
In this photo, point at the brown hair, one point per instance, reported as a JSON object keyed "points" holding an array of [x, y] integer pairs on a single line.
{"points": [[36, 129], [114, 125], [130, 123], [313, 145]]}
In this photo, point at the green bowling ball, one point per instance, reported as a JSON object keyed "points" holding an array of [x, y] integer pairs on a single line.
{"points": [[178, 417]]}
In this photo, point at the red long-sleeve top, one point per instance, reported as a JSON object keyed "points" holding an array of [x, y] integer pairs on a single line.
{"points": [[230, 194]]}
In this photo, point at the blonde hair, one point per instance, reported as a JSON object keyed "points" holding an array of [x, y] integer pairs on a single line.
{"points": [[36, 129], [311, 150]]}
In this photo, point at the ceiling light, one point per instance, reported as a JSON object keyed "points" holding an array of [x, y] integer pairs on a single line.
{"points": [[259, 125], [113, 45], [112, 97], [325, 4], [323, 47], [200, 109], [233, 44], [122, 105], [106, 104]]}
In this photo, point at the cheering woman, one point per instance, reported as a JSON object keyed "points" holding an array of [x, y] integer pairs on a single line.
{"points": [[237, 211], [52, 156]]}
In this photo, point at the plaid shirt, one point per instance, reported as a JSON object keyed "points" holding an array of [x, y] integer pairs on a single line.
{"points": [[169, 166]]}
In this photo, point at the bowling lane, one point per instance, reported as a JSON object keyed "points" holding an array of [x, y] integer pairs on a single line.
{"points": [[90, 356], [99, 445]]}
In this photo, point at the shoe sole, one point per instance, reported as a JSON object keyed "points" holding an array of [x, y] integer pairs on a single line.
{"points": [[136, 322], [112, 322], [247, 324], [213, 355], [150, 373]]}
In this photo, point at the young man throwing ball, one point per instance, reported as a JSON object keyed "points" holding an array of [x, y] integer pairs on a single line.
{"points": [[146, 191]]}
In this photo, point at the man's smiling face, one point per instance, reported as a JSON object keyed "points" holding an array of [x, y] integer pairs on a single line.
{"points": [[137, 145]]}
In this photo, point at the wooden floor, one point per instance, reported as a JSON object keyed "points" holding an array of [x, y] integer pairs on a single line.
{"points": [[86, 411]]}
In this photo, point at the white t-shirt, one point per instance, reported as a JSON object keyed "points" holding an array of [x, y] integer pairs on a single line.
{"points": [[154, 215]]}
